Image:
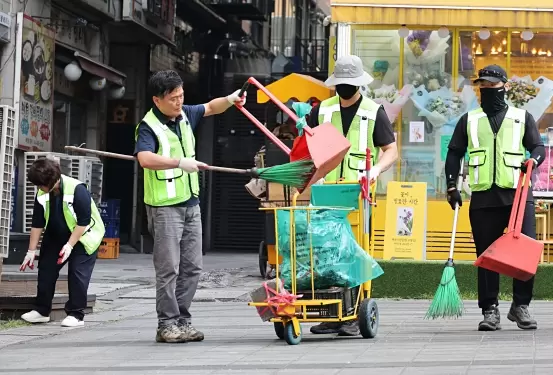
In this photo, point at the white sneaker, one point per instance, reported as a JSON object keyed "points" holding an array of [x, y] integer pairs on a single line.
{"points": [[71, 321], [35, 317]]}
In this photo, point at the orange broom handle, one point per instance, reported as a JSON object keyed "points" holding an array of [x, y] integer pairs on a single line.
{"points": [[279, 104], [519, 204], [258, 123]]}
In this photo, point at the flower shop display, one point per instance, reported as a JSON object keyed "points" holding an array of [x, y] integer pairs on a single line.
{"points": [[433, 80], [388, 96], [533, 96], [423, 47], [542, 178]]}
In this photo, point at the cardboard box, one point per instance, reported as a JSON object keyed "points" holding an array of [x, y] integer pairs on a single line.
{"points": [[276, 192], [109, 249]]}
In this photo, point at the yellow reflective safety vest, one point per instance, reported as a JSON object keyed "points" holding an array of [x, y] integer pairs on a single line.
{"points": [[360, 135], [495, 158], [171, 186], [94, 233]]}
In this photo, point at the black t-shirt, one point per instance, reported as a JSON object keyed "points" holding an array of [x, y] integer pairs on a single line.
{"points": [[383, 133], [495, 196]]}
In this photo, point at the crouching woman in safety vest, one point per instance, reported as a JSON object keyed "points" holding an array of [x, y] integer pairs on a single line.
{"points": [[496, 138], [73, 231]]}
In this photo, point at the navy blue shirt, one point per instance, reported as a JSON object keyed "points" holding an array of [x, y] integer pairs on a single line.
{"points": [[57, 229], [147, 140]]}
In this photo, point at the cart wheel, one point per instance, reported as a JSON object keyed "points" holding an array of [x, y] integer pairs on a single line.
{"points": [[368, 318], [289, 336], [279, 330], [263, 259]]}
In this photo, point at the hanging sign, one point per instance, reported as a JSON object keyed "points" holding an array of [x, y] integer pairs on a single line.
{"points": [[405, 227]]}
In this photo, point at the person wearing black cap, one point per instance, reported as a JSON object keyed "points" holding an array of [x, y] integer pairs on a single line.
{"points": [[496, 137]]}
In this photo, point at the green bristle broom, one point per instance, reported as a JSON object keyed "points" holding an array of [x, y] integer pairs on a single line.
{"points": [[447, 302]]}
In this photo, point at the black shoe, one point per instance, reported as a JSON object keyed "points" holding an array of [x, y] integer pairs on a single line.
{"points": [[521, 316], [350, 328], [326, 328], [491, 320]]}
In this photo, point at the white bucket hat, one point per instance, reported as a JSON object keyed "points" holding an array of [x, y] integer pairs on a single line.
{"points": [[348, 70]]}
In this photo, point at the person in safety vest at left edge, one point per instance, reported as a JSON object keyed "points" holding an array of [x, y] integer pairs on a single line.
{"points": [[366, 125], [496, 138], [73, 232]]}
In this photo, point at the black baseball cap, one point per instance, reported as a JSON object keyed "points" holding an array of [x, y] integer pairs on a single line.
{"points": [[492, 73]]}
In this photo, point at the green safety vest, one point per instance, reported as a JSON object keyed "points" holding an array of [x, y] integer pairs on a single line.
{"points": [[360, 135], [94, 233], [503, 150], [170, 186]]}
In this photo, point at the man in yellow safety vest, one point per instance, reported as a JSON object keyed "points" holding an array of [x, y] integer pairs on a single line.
{"points": [[366, 125], [165, 148], [496, 137]]}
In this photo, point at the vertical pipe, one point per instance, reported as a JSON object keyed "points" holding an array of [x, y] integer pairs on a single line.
{"points": [[509, 46], [400, 117], [283, 26]]}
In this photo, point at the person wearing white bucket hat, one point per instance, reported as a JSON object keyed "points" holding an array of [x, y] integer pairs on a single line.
{"points": [[364, 122], [366, 125]]}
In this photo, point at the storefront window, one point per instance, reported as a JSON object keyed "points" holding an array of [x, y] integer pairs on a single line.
{"points": [[433, 107], [531, 80], [379, 50]]}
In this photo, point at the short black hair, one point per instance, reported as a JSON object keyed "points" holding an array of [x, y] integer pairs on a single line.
{"points": [[44, 172], [163, 82]]}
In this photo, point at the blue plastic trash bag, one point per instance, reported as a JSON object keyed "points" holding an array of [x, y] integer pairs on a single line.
{"points": [[338, 259]]}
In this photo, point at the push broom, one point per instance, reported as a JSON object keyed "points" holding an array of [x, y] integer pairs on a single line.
{"points": [[295, 174], [447, 302]]}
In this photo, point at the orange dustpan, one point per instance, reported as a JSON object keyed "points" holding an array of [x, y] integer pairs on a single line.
{"points": [[514, 254], [324, 145]]}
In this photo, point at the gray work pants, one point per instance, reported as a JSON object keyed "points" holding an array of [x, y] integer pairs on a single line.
{"points": [[177, 233]]}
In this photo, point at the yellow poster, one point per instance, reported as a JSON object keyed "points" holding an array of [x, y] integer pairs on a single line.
{"points": [[332, 55], [405, 226]]}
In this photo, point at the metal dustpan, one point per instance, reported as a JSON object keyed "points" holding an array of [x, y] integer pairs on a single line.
{"points": [[514, 254], [324, 145]]}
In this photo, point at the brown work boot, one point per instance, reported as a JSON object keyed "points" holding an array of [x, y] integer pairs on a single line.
{"points": [[170, 334]]}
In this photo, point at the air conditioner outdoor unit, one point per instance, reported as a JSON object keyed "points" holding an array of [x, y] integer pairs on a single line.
{"points": [[7, 149]]}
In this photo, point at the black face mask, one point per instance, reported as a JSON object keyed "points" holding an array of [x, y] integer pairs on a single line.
{"points": [[346, 91], [492, 99]]}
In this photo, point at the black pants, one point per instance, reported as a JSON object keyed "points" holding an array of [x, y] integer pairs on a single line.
{"points": [[488, 225], [79, 273]]}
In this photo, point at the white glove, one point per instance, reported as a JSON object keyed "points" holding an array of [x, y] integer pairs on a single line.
{"points": [[235, 99], [64, 253], [320, 182], [374, 172], [29, 260], [190, 165]]}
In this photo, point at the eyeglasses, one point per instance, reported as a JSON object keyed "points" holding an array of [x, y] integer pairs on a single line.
{"points": [[491, 73]]}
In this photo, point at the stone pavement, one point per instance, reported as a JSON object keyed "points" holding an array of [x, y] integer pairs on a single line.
{"points": [[119, 337], [237, 342]]}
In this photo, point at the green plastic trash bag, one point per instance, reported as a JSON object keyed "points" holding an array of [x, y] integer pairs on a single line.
{"points": [[337, 257]]}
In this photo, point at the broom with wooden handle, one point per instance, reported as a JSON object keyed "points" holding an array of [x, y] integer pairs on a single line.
{"points": [[295, 174]]}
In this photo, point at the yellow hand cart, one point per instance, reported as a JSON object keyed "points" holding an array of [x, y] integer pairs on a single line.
{"points": [[329, 305]]}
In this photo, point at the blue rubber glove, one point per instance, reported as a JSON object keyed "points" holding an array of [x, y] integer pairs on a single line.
{"points": [[302, 110]]}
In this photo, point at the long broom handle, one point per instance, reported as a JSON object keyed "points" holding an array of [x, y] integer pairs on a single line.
{"points": [[456, 215], [132, 158]]}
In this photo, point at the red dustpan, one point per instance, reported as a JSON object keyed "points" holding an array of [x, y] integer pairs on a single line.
{"points": [[514, 254], [324, 145]]}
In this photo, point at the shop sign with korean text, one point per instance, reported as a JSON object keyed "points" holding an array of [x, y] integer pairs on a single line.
{"points": [[37, 86], [405, 226]]}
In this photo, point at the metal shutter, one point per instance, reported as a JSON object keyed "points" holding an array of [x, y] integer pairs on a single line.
{"points": [[237, 223]]}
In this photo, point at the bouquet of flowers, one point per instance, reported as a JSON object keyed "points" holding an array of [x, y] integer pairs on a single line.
{"points": [[432, 80], [443, 107], [533, 96], [424, 47], [389, 97]]}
